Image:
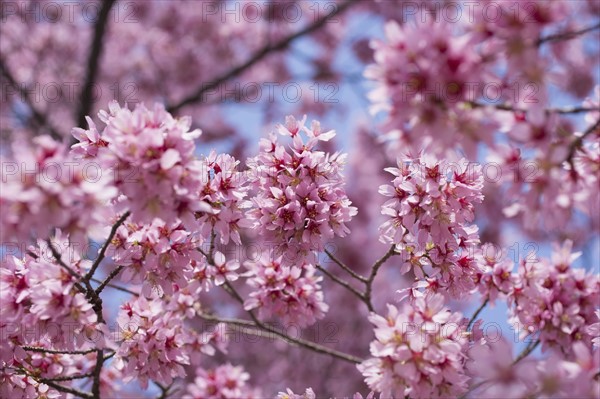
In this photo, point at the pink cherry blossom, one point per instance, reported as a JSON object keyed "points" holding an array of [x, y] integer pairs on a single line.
{"points": [[417, 351], [142, 294], [299, 198], [224, 188], [151, 155], [429, 213], [500, 376], [224, 382], [157, 255], [44, 187], [288, 291], [594, 330], [155, 343], [289, 394], [495, 279], [556, 301]]}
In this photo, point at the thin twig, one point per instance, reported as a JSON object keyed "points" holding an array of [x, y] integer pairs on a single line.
{"points": [[258, 56], [526, 351], [68, 378], [520, 357], [479, 309], [202, 252], [574, 109], [341, 282], [579, 141], [211, 250], [106, 282], [345, 267], [72, 272], [298, 341], [102, 252], [474, 387], [164, 391], [374, 270], [304, 343], [65, 389], [109, 356], [57, 352], [566, 35], [117, 287]]}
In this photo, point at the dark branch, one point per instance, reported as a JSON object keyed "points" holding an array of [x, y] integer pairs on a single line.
{"points": [[65, 389], [479, 309], [102, 252], [512, 108], [526, 351], [258, 56], [40, 119], [106, 282], [341, 282], [68, 378], [297, 341], [93, 63], [579, 141], [566, 35], [345, 267], [259, 324], [374, 270], [72, 272], [116, 287], [57, 352]]}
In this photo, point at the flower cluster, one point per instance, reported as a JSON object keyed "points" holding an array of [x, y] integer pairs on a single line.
{"points": [[417, 352], [154, 342], [166, 257], [495, 278], [38, 293], [157, 255], [45, 307], [24, 376], [224, 188], [223, 382], [13, 385], [556, 301], [299, 200], [429, 213], [290, 292], [423, 73], [44, 187], [151, 155], [553, 376], [554, 185], [499, 368]]}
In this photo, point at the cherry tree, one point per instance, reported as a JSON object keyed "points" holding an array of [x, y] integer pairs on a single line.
{"points": [[177, 223]]}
